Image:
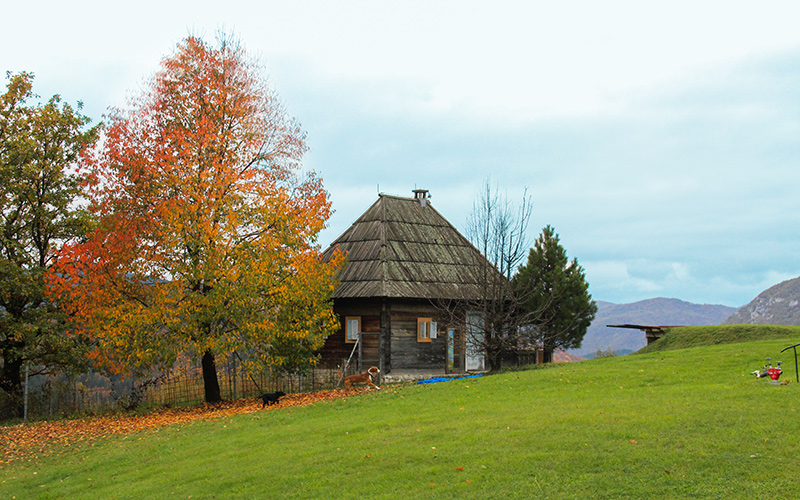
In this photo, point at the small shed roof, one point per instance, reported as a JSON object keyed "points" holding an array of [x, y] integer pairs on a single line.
{"points": [[404, 248], [651, 332]]}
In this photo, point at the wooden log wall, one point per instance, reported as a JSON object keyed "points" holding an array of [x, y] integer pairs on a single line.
{"points": [[401, 349]]}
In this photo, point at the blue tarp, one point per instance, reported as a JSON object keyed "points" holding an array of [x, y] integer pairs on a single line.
{"points": [[445, 379]]}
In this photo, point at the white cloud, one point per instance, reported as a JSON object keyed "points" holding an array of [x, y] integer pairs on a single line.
{"points": [[660, 140]]}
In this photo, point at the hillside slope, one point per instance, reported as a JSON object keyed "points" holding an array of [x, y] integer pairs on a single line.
{"points": [[659, 311], [778, 305], [698, 336], [675, 424]]}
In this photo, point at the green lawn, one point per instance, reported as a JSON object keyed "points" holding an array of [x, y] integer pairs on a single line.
{"points": [[672, 424]]}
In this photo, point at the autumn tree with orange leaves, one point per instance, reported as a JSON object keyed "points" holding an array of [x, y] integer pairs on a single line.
{"points": [[207, 235]]}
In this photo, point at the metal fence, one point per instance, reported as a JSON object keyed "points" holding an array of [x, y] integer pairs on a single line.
{"points": [[56, 396]]}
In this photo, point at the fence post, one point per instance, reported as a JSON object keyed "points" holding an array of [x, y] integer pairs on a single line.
{"points": [[234, 378], [25, 399]]}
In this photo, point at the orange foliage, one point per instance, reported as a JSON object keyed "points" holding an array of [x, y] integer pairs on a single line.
{"points": [[206, 240], [28, 442]]}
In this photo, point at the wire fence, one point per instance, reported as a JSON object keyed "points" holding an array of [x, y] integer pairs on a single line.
{"points": [[54, 396]]}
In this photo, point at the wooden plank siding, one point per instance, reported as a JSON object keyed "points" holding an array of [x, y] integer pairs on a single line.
{"points": [[407, 352], [337, 348], [402, 350]]}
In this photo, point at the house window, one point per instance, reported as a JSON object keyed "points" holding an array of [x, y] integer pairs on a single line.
{"points": [[352, 326], [426, 329]]}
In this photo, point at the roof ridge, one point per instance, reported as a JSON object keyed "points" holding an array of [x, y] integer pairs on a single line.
{"points": [[395, 196]]}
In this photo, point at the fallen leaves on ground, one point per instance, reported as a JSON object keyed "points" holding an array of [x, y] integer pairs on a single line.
{"points": [[30, 441]]}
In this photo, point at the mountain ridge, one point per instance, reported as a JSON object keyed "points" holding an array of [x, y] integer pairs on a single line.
{"points": [[655, 311], [777, 305]]}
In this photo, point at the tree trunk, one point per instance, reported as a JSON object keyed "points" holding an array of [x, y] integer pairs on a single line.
{"points": [[495, 359], [11, 383], [210, 382]]}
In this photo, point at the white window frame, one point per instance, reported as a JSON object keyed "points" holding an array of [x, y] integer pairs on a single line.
{"points": [[350, 335]]}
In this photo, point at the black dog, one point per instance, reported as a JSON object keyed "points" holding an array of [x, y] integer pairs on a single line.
{"points": [[271, 398]]}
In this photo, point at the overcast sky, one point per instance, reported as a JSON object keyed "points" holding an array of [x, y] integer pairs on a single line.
{"points": [[661, 140]]}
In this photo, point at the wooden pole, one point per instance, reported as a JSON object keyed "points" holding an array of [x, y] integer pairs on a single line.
{"points": [[360, 352], [25, 399]]}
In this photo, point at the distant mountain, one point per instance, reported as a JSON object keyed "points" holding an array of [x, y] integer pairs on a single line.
{"points": [[778, 305], [658, 311]]}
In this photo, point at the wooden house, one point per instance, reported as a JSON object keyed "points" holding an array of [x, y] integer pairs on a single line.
{"points": [[404, 262]]}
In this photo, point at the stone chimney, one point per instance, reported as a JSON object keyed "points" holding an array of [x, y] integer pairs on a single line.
{"points": [[421, 195]]}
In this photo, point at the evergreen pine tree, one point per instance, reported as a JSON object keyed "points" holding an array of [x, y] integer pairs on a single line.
{"points": [[553, 291]]}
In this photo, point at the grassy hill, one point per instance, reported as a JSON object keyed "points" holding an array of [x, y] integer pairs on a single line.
{"points": [[688, 423], [695, 336], [659, 311]]}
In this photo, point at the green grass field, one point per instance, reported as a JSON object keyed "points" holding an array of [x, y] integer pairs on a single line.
{"points": [[688, 423]]}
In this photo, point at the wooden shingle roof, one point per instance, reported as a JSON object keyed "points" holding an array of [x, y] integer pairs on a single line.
{"points": [[403, 248]]}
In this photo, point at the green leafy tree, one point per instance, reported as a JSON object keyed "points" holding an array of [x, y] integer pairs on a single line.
{"points": [[554, 291], [39, 147]]}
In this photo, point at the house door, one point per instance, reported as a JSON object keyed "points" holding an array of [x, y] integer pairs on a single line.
{"points": [[475, 359]]}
